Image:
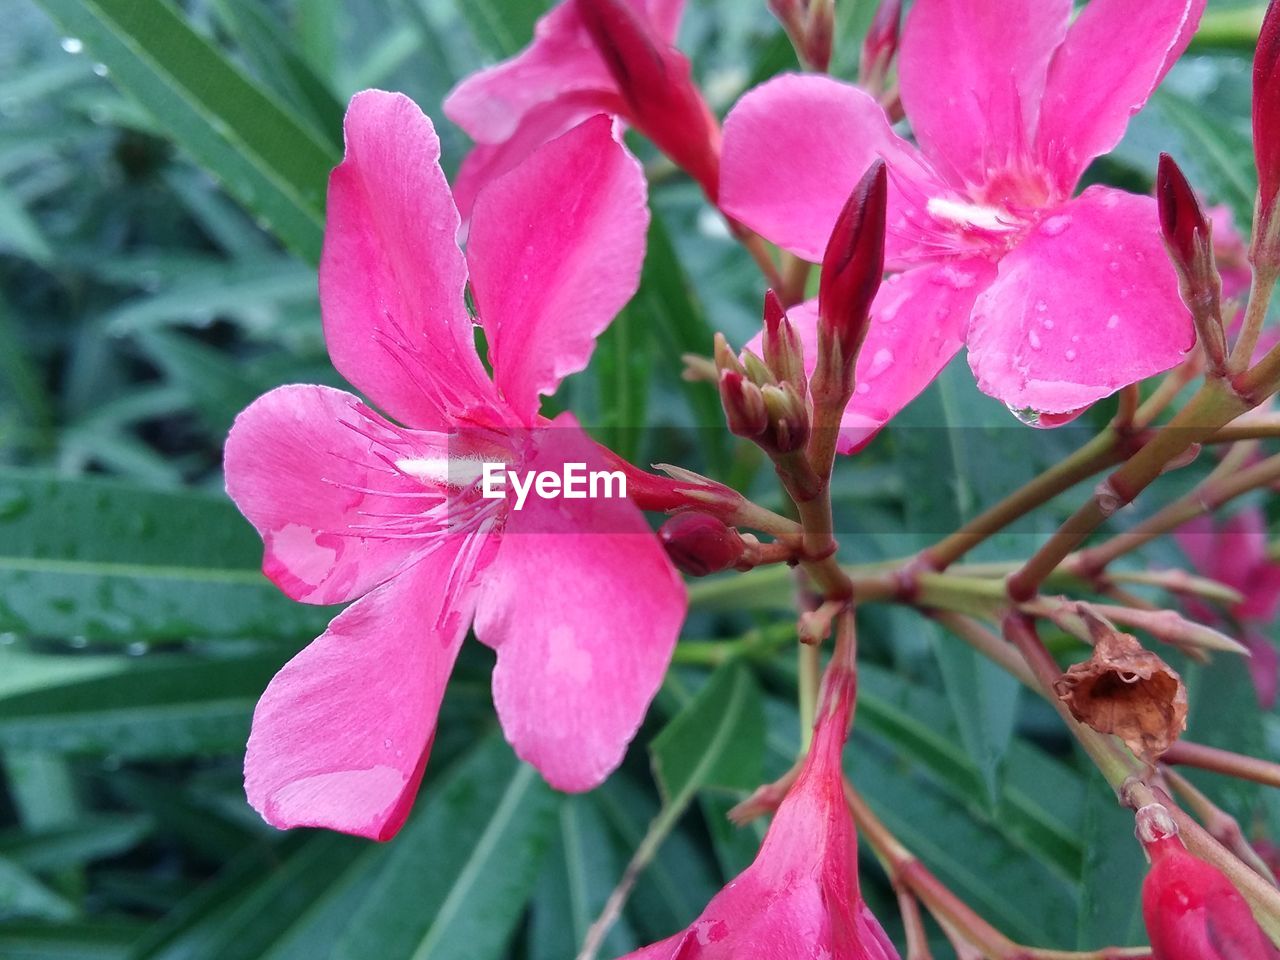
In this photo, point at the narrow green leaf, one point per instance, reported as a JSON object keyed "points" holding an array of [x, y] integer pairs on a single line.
{"points": [[110, 561], [467, 862], [22, 895], [1216, 157], [161, 707], [269, 161], [717, 739], [111, 940], [502, 27]]}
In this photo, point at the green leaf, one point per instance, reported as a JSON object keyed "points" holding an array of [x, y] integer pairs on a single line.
{"points": [[716, 740], [622, 365], [267, 159], [467, 863], [583, 865], [163, 706], [91, 838], [502, 27], [1111, 872], [110, 940], [114, 562], [1217, 158], [22, 895]]}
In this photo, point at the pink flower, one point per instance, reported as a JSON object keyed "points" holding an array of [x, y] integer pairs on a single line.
{"points": [[1235, 553], [576, 597], [563, 77], [799, 900], [1061, 300]]}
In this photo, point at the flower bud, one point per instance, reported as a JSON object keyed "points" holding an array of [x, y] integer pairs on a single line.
{"points": [[783, 350], [1266, 139], [757, 370], [1188, 236], [1192, 911], [656, 84], [819, 34], [788, 427], [699, 544], [852, 269], [743, 403], [880, 46]]}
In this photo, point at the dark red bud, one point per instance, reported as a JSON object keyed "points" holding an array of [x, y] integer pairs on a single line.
{"points": [[853, 266], [699, 544], [656, 84], [881, 44], [1188, 236], [1182, 220], [743, 403], [1266, 108], [783, 351], [1192, 911]]}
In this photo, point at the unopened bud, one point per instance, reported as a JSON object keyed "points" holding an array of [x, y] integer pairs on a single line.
{"points": [[757, 369], [725, 358], [699, 544], [656, 84], [790, 14], [1192, 911], [880, 46], [1188, 236], [744, 409], [788, 428], [819, 34], [1265, 250], [852, 269], [783, 350]]}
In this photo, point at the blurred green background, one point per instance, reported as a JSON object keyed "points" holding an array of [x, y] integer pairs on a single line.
{"points": [[162, 172]]}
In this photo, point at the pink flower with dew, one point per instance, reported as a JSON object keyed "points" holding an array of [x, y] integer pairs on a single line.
{"points": [[1234, 552], [562, 77], [576, 597], [1061, 300], [799, 899]]}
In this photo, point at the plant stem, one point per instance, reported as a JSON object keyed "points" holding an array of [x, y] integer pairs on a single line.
{"points": [[1225, 762], [1261, 285]]}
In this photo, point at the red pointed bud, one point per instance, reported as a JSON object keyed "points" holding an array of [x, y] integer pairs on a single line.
{"points": [[1265, 250], [783, 351], [788, 428], [790, 14], [852, 269], [880, 46], [1192, 911], [819, 34], [699, 544], [656, 84], [1188, 236], [743, 403]]}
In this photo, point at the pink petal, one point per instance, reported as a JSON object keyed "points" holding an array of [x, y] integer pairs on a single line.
{"points": [[972, 73], [918, 323], [1085, 305], [583, 609], [487, 161], [1113, 57], [555, 251], [299, 466], [341, 735], [490, 104], [793, 150], [1264, 668], [560, 61], [391, 275]]}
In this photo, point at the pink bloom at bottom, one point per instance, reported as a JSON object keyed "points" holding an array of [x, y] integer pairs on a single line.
{"points": [[799, 900]]}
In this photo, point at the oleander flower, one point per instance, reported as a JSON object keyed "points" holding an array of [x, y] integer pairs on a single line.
{"points": [[1234, 552], [587, 56], [799, 899], [577, 598], [1060, 299]]}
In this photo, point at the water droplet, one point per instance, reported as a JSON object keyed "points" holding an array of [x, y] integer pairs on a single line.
{"points": [[1041, 306], [1028, 416], [1113, 321], [880, 362], [1055, 226], [1114, 266], [955, 278], [1047, 324], [1075, 338], [100, 69], [72, 44], [864, 388], [387, 743], [1034, 339], [1070, 355]]}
